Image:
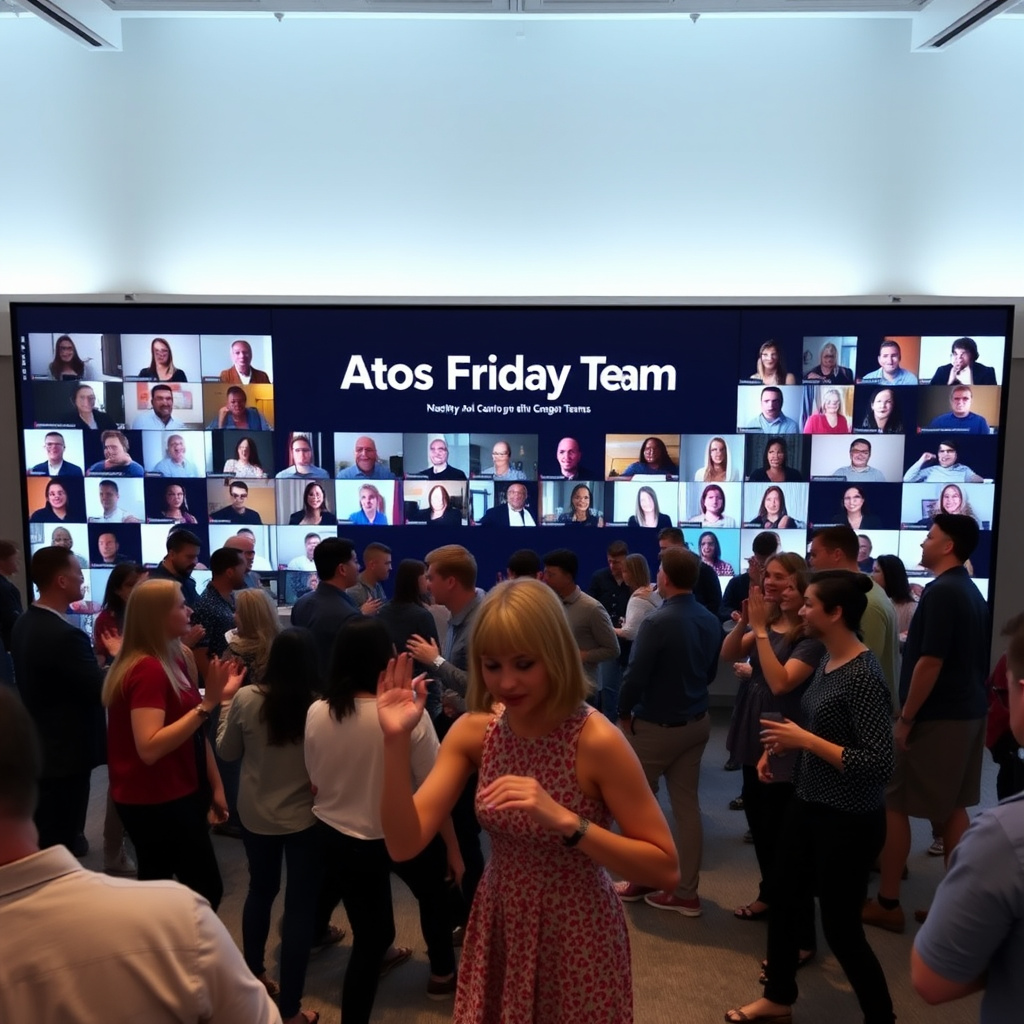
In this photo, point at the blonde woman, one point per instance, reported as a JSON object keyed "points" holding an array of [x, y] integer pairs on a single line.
{"points": [[771, 367], [718, 466], [546, 741], [163, 776], [636, 573], [256, 625], [828, 370], [829, 418]]}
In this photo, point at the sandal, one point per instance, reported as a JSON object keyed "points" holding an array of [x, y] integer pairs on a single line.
{"points": [[801, 961], [331, 937], [747, 913], [396, 959], [739, 1017]]}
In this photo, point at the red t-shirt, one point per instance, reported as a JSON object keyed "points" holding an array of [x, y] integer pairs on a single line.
{"points": [[175, 774]]}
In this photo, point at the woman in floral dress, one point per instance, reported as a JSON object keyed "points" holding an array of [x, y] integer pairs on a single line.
{"points": [[546, 941]]}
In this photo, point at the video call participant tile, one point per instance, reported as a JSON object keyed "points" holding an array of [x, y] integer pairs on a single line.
{"points": [[168, 358], [830, 359], [115, 500], [859, 506], [236, 407], [75, 356], [949, 458], [828, 409], [921, 502], [54, 452], [893, 360], [777, 458], [503, 457], [769, 409], [163, 406], [438, 457], [154, 537], [56, 500], [574, 502], [646, 456], [372, 455], [113, 453], [976, 360], [718, 549], [237, 359], [960, 409], [712, 458], [175, 500], [245, 454], [653, 505], [369, 503], [241, 502], [112, 543], [175, 453], [88, 405], [713, 506], [775, 506], [571, 455], [775, 360], [440, 504], [885, 409], [859, 458]]}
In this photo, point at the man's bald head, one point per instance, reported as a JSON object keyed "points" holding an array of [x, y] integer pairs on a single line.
{"points": [[246, 544]]}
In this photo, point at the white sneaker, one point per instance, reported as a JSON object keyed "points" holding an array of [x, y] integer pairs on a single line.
{"points": [[122, 866], [938, 847]]}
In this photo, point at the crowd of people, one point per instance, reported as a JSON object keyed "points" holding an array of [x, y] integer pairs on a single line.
{"points": [[376, 736]]}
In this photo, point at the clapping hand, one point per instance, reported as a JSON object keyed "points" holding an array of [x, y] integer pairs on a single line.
{"points": [[194, 635], [223, 678], [742, 669], [756, 609], [400, 698], [112, 640]]}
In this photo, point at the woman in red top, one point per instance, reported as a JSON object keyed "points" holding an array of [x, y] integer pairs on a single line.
{"points": [[163, 777]]}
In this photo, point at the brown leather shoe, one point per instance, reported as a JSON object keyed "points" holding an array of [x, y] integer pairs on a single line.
{"points": [[873, 913]]}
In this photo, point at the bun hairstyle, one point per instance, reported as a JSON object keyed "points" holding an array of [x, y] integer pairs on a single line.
{"points": [[839, 588]]}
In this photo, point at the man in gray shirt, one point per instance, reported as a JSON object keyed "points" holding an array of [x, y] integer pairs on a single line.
{"points": [[589, 620], [858, 469]]}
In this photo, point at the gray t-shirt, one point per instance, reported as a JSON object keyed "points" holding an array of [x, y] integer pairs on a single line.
{"points": [[976, 921], [865, 476], [274, 796]]}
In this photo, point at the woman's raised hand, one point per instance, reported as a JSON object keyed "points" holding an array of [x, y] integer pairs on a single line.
{"points": [[400, 697], [757, 610], [223, 678]]}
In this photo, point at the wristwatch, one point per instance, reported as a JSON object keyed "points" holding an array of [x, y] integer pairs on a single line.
{"points": [[202, 712], [438, 661], [581, 831]]}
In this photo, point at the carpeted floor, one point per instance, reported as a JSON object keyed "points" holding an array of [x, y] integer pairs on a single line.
{"points": [[684, 970]]}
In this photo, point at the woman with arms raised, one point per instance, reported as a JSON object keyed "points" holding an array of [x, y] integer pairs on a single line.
{"points": [[534, 951], [835, 824]]}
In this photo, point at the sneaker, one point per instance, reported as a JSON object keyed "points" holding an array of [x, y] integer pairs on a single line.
{"points": [[121, 866], [732, 766], [667, 901], [630, 892], [737, 804], [442, 989], [938, 847], [874, 914]]}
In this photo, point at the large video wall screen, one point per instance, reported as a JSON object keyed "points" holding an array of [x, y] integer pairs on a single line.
{"points": [[418, 426]]}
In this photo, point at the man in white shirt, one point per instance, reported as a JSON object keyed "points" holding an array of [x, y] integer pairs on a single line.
{"points": [[160, 415], [161, 956], [305, 563], [112, 512]]}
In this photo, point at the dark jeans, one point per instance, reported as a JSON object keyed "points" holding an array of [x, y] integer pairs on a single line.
{"points": [[828, 852], [765, 805], [172, 840], [62, 808], [359, 874], [301, 851]]}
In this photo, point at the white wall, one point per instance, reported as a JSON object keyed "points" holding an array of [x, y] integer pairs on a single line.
{"points": [[513, 157], [501, 157]]}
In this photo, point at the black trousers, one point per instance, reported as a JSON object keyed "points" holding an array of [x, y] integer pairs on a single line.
{"points": [[63, 805], [765, 805], [359, 874], [828, 853], [172, 840]]}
